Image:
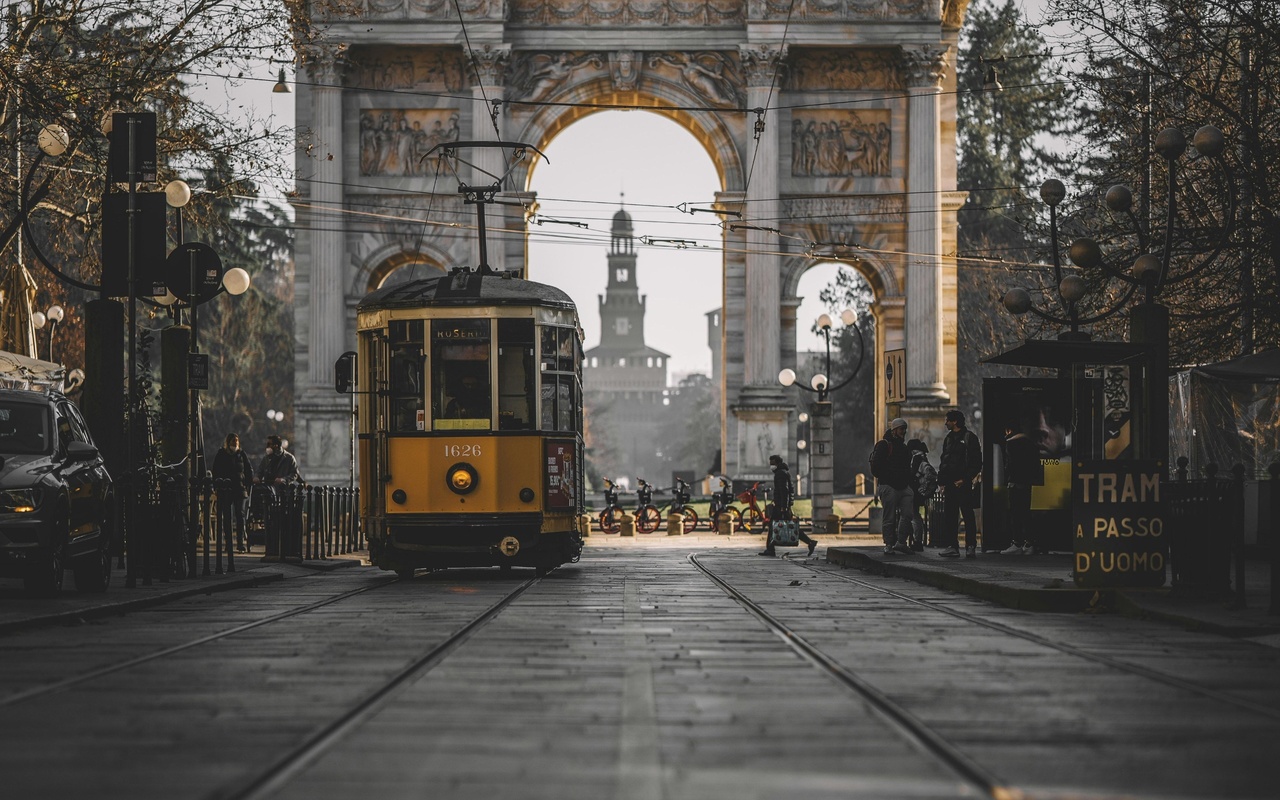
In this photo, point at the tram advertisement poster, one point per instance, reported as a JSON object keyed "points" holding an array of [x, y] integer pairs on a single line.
{"points": [[560, 474], [1118, 524]]}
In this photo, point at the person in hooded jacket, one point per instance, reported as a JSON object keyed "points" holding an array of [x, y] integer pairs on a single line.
{"points": [[960, 464], [783, 494]]}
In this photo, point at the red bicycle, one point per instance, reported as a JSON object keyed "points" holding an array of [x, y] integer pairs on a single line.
{"points": [[753, 515]]}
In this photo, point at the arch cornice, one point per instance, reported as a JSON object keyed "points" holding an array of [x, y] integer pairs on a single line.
{"points": [[880, 275], [379, 263], [655, 93]]}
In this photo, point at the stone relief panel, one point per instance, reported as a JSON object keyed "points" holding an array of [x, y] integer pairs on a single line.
{"points": [[415, 9], [831, 69], [839, 143], [714, 76], [684, 13], [394, 142], [397, 68], [536, 75], [843, 9]]}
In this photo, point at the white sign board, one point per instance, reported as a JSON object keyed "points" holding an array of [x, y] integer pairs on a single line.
{"points": [[895, 376]]}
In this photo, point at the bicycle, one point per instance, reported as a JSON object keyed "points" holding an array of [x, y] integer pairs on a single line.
{"points": [[611, 517], [754, 514], [649, 517], [722, 503]]}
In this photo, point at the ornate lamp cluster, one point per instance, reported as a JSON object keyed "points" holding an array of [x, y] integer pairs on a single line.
{"points": [[1150, 271], [820, 383]]}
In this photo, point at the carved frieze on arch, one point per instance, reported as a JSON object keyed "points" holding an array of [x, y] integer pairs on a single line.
{"points": [[710, 77], [843, 70], [665, 13], [441, 10], [400, 68], [805, 10]]}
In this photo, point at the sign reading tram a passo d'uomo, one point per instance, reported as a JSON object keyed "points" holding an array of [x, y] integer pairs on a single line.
{"points": [[1119, 525]]}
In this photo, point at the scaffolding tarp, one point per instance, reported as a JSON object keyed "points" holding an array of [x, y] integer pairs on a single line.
{"points": [[1227, 414]]}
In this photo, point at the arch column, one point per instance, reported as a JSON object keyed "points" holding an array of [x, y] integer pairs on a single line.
{"points": [[324, 220], [760, 63], [488, 66], [924, 68], [321, 434]]}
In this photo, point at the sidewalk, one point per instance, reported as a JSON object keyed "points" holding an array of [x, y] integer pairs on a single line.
{"points": [[19, 611], [1046, 583]]}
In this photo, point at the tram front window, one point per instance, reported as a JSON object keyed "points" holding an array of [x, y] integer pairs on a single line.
{"points": [[460, 391], [515, 374]]}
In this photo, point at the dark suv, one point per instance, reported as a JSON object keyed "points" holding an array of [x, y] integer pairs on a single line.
{"points": [[56, 500]]}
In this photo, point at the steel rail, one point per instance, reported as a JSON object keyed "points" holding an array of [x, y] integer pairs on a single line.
{"points": [[270, 780], [67, 683], [906, 724], [1063, 647]]}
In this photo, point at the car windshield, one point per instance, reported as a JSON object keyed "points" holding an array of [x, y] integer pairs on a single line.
{"points": [[24, 428]]}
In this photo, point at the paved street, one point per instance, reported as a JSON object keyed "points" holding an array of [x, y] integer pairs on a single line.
{"points": [[629, 675]]}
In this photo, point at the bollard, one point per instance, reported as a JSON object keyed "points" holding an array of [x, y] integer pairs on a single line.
{"points": [[859, 484], [833, 524], [584, 526], [628, 525], [675, 524], [724, 524]]}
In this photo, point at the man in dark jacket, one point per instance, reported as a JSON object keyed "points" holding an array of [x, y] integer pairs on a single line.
{"points": [[960, 464], [783, 494], [891, 467], [232, 476], [1022, 470]]}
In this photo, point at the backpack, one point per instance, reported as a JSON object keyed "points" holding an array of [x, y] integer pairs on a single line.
{"points": [[875, 466], [924, 478]]}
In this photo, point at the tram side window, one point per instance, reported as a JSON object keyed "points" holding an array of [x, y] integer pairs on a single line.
{"points": [[460, 390], [407, 398], [550, 347], [564, 404], [515, 375], [559, 380]]}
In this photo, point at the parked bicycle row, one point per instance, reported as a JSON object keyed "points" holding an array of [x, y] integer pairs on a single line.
{"points": [[748, 516]]}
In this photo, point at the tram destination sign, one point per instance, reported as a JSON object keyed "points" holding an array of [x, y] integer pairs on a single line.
{"points": [[1119, 524]]}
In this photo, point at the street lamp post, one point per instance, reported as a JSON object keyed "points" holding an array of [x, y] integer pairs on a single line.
{"points": [[1151, 272], [821, 434], [51, 318]]}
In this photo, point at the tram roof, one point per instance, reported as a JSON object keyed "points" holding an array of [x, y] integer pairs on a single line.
{"points": [[464, 288]]}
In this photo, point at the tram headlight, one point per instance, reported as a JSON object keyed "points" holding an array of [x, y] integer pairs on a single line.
{"points": [[462, 478]]}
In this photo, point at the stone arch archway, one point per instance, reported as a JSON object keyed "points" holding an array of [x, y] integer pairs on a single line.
{"points": [[828, 131]]}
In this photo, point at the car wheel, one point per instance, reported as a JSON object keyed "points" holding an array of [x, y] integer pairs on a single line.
{"points": [[44, 573], [93, 572]]}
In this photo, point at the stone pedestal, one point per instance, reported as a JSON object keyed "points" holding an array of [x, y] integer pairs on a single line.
{"points": [[821, 462]]}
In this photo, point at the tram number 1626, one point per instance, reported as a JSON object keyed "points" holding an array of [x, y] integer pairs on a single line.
{"points": [[462, 450]]}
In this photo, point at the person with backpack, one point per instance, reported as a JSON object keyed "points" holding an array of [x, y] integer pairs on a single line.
{"points": [[891, 467], [960, 463], [924, 482]]}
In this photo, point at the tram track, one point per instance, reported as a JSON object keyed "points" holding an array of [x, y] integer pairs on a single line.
{"points": [[267, 782], [119, 666], [902, 721], [1120, 665]]}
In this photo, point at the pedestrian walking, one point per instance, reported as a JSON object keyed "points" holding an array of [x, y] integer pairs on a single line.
{"points": [[891, 467], [961, 462], [924, 482], [1022, 470], [278, 467], [278, 471], [232, 476], [780, 509]]}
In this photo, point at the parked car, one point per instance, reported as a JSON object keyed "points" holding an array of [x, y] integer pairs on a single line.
{"points": [[56, 498]]}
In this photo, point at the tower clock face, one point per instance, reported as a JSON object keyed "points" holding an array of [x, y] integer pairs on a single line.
{"points": [[622, 325], [622, 274]]}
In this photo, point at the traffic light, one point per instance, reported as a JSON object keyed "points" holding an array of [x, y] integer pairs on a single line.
{"points": [[344, 373]]}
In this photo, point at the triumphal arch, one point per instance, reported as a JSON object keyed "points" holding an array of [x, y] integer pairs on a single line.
{"points": [[831, 122]]}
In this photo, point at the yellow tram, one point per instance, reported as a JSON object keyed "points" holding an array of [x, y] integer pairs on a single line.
{"points": [[470, 423]]}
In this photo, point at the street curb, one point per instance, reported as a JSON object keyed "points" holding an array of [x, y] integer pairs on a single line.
{"points": [[1068, 600], [318, 565], [125, 606], [1131, 606]]}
